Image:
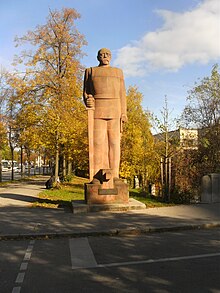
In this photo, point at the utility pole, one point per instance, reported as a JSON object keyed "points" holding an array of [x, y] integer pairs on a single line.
{"points": [[166, 140]]}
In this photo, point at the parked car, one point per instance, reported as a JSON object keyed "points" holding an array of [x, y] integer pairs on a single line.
{"points": [[5, 166]]}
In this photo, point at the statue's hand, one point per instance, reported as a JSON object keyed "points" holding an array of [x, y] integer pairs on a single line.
{"points": [[90, 101], [124, 118]]}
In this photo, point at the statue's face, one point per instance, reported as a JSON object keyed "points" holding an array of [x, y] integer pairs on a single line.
{"points": [[104, 57]]}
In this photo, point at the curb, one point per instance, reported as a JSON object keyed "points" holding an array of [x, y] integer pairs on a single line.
{"points": [[135, 231]]}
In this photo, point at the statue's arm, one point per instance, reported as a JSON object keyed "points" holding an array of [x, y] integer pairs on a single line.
{"points": [[87, 92]]}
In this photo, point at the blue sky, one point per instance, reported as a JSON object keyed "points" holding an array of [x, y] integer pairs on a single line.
{"points": [[163, 46]]}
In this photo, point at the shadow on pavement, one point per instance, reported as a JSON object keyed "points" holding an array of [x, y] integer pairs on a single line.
{"points": [[26, 219], [19, 197]]}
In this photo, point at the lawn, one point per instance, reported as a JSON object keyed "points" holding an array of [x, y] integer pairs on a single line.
{"points": [[148, 200], [74, 190], [62, 197]]}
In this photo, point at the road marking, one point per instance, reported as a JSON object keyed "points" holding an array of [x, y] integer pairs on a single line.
{"points": [[81, 254], [20, 278], [16, 290], [23, 267], [78, 263], [150, 261], [27, 256], [30, 248]]}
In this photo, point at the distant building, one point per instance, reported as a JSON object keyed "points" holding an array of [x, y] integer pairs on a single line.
{"points": [[176, 147], [182, 137]]}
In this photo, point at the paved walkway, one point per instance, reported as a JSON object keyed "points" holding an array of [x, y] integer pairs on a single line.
{"points": [[18, 219]]}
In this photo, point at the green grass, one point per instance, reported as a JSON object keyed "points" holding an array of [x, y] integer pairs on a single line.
{"points": [[2, 184], [148, 200], [74, 190], [62, 196]]}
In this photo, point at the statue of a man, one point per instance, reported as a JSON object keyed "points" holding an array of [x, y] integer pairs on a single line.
{"points": [[104, 91]]}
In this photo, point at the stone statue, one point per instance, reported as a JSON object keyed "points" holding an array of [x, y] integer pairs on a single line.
{"points": [[105, 98]]}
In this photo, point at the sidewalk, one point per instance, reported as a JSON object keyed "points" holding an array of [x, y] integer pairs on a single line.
{"points": [[18, 220]]}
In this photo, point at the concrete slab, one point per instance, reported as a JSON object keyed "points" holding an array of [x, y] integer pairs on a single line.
{"points": [[19, 221], [81, 206], [81, 254]]}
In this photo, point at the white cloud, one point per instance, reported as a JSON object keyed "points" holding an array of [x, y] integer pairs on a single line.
{"points": [[185, 38]]}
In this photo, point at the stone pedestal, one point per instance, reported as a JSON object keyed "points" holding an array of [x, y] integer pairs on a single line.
{"points": [[210, 188], [105, 193], [106, 190], [79, 207], [95, 194]]}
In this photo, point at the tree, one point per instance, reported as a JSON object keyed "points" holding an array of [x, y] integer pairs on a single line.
{"points": [[52, 80], [8, 114], [3, 130], [166, 145], [203, 112], [137, 153], [203, 109], [23, 114]]}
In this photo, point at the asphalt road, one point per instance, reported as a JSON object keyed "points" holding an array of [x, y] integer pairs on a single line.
{"points": [[177, 262], [6, 176]]}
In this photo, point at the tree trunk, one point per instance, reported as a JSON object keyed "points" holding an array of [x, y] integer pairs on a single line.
{"points": [[69, 167], [29, 160], [57, 163], [12, 163], [22, 163], [64, 166], [0, 165]]}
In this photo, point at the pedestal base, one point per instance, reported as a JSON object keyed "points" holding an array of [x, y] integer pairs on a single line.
{"points": [[106, 193], [79, 207], [95, 193]]}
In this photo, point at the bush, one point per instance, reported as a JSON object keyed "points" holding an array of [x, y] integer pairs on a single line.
{"points": [[68, 178]]}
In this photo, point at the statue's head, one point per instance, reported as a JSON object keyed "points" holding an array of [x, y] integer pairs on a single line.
{"points": [[104, 57]]}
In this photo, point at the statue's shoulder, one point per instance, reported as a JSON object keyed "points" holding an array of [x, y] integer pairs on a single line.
{"points": [[118, 71], [89, 70], [105, 71]]}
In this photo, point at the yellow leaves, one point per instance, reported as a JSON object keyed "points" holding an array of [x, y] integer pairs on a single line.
{"points": [[3, 134], [56, 42], [137, 140], [48, 95], [69, 13], [126, 170]]}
